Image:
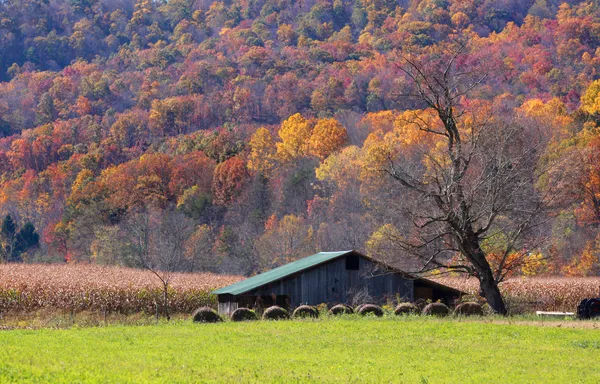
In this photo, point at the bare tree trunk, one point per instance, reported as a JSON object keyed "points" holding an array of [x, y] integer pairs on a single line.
{"points": [[487, 284], [166, 301], [492, 294]]}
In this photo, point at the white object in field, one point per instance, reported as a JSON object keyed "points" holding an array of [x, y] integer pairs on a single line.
{"points": [[543, 313]]}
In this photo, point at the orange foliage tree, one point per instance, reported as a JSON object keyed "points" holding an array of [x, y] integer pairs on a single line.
{"points": [[228, 180], [328, 136]]}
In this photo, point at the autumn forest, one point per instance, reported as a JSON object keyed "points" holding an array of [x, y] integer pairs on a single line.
{"points": [[232, 136]]}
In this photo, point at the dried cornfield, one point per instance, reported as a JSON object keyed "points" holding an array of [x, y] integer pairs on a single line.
{"points": [[76, 288], [529, 294], [26, 287]]}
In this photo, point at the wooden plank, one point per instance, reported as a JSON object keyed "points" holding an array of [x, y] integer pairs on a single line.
{"points": [[554, 314]]}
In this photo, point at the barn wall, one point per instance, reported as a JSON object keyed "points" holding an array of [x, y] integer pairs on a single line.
{"points": [[331, 283], [228, 307]]}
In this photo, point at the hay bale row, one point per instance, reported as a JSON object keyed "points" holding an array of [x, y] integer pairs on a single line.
{"points": [[209, 315], [370, 309], [341, 309], [406, 309], [275, 313], [243, 314], [206, 315], [468, 309], [305, 311], [436, 309]]}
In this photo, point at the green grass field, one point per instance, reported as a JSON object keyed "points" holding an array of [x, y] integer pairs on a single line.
{"points": [[411, 350]]}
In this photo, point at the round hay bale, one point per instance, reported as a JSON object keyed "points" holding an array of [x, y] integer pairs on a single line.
{"points": [[367, 309], [468, 309], [358, 307], [275, 313], [305, 311], [341, 309], [206, 315], [436, 309], [420, 303], [243, 314], [406, 309]]}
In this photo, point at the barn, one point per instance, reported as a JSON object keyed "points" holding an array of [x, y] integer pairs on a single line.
{"points": [[332, 278]]}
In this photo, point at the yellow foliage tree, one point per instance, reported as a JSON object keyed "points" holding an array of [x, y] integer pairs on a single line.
{"points": [[586, 264], [287, 34], [379, 121], [590, 101], [262, 152], [295, 133], [410, 136], [552, 115], [460, 20], [288, 240], [534, 264], [199, 250], [382, 244], [341, 168], [328, 136], [415, 127], [84, 177]]}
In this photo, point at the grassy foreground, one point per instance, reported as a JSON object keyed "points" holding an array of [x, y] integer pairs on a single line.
{"points": [[413, 350]]}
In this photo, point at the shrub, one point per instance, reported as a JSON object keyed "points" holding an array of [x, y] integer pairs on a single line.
{"points": [[468, 309], [436, 309], [406, 309], [322, 308], [371, 308], [341, 309], [275, 313], [305, 311], [243, 314], [206, 315]]}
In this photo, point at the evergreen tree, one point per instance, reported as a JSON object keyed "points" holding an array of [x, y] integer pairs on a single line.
{"points": [[7, 232], [26, 239]]}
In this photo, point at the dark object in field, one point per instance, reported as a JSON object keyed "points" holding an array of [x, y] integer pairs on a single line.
{"points": [[588, 309], [371, 308], [341, 309], [436, 309], [468, 309], [243, 314], [275, 313], [406, 309], [305, 311], [206, 315]]}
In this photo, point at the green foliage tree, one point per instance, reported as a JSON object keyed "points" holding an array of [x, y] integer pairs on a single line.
{"points": [[8, 232], [16, 243], [27, 239]]}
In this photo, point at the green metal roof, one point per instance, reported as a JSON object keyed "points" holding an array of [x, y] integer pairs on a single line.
{"points": [[279, 273]]}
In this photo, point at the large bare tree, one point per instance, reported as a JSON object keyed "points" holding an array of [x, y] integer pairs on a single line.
{"points": [[476, 187]]}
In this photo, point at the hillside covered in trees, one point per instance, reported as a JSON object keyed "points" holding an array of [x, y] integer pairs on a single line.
{"points": [[236, 135]]}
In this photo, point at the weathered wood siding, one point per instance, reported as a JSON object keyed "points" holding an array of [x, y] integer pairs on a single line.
{"points": [[332, 283], [228, 308]]}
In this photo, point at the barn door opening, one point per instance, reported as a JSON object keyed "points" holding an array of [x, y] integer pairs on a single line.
{"points": [[263, 302], [260, 303], [352, 263], [282, 301]]}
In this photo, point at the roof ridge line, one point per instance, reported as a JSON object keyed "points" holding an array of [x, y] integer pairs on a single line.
{"points": [[280, 272]]}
